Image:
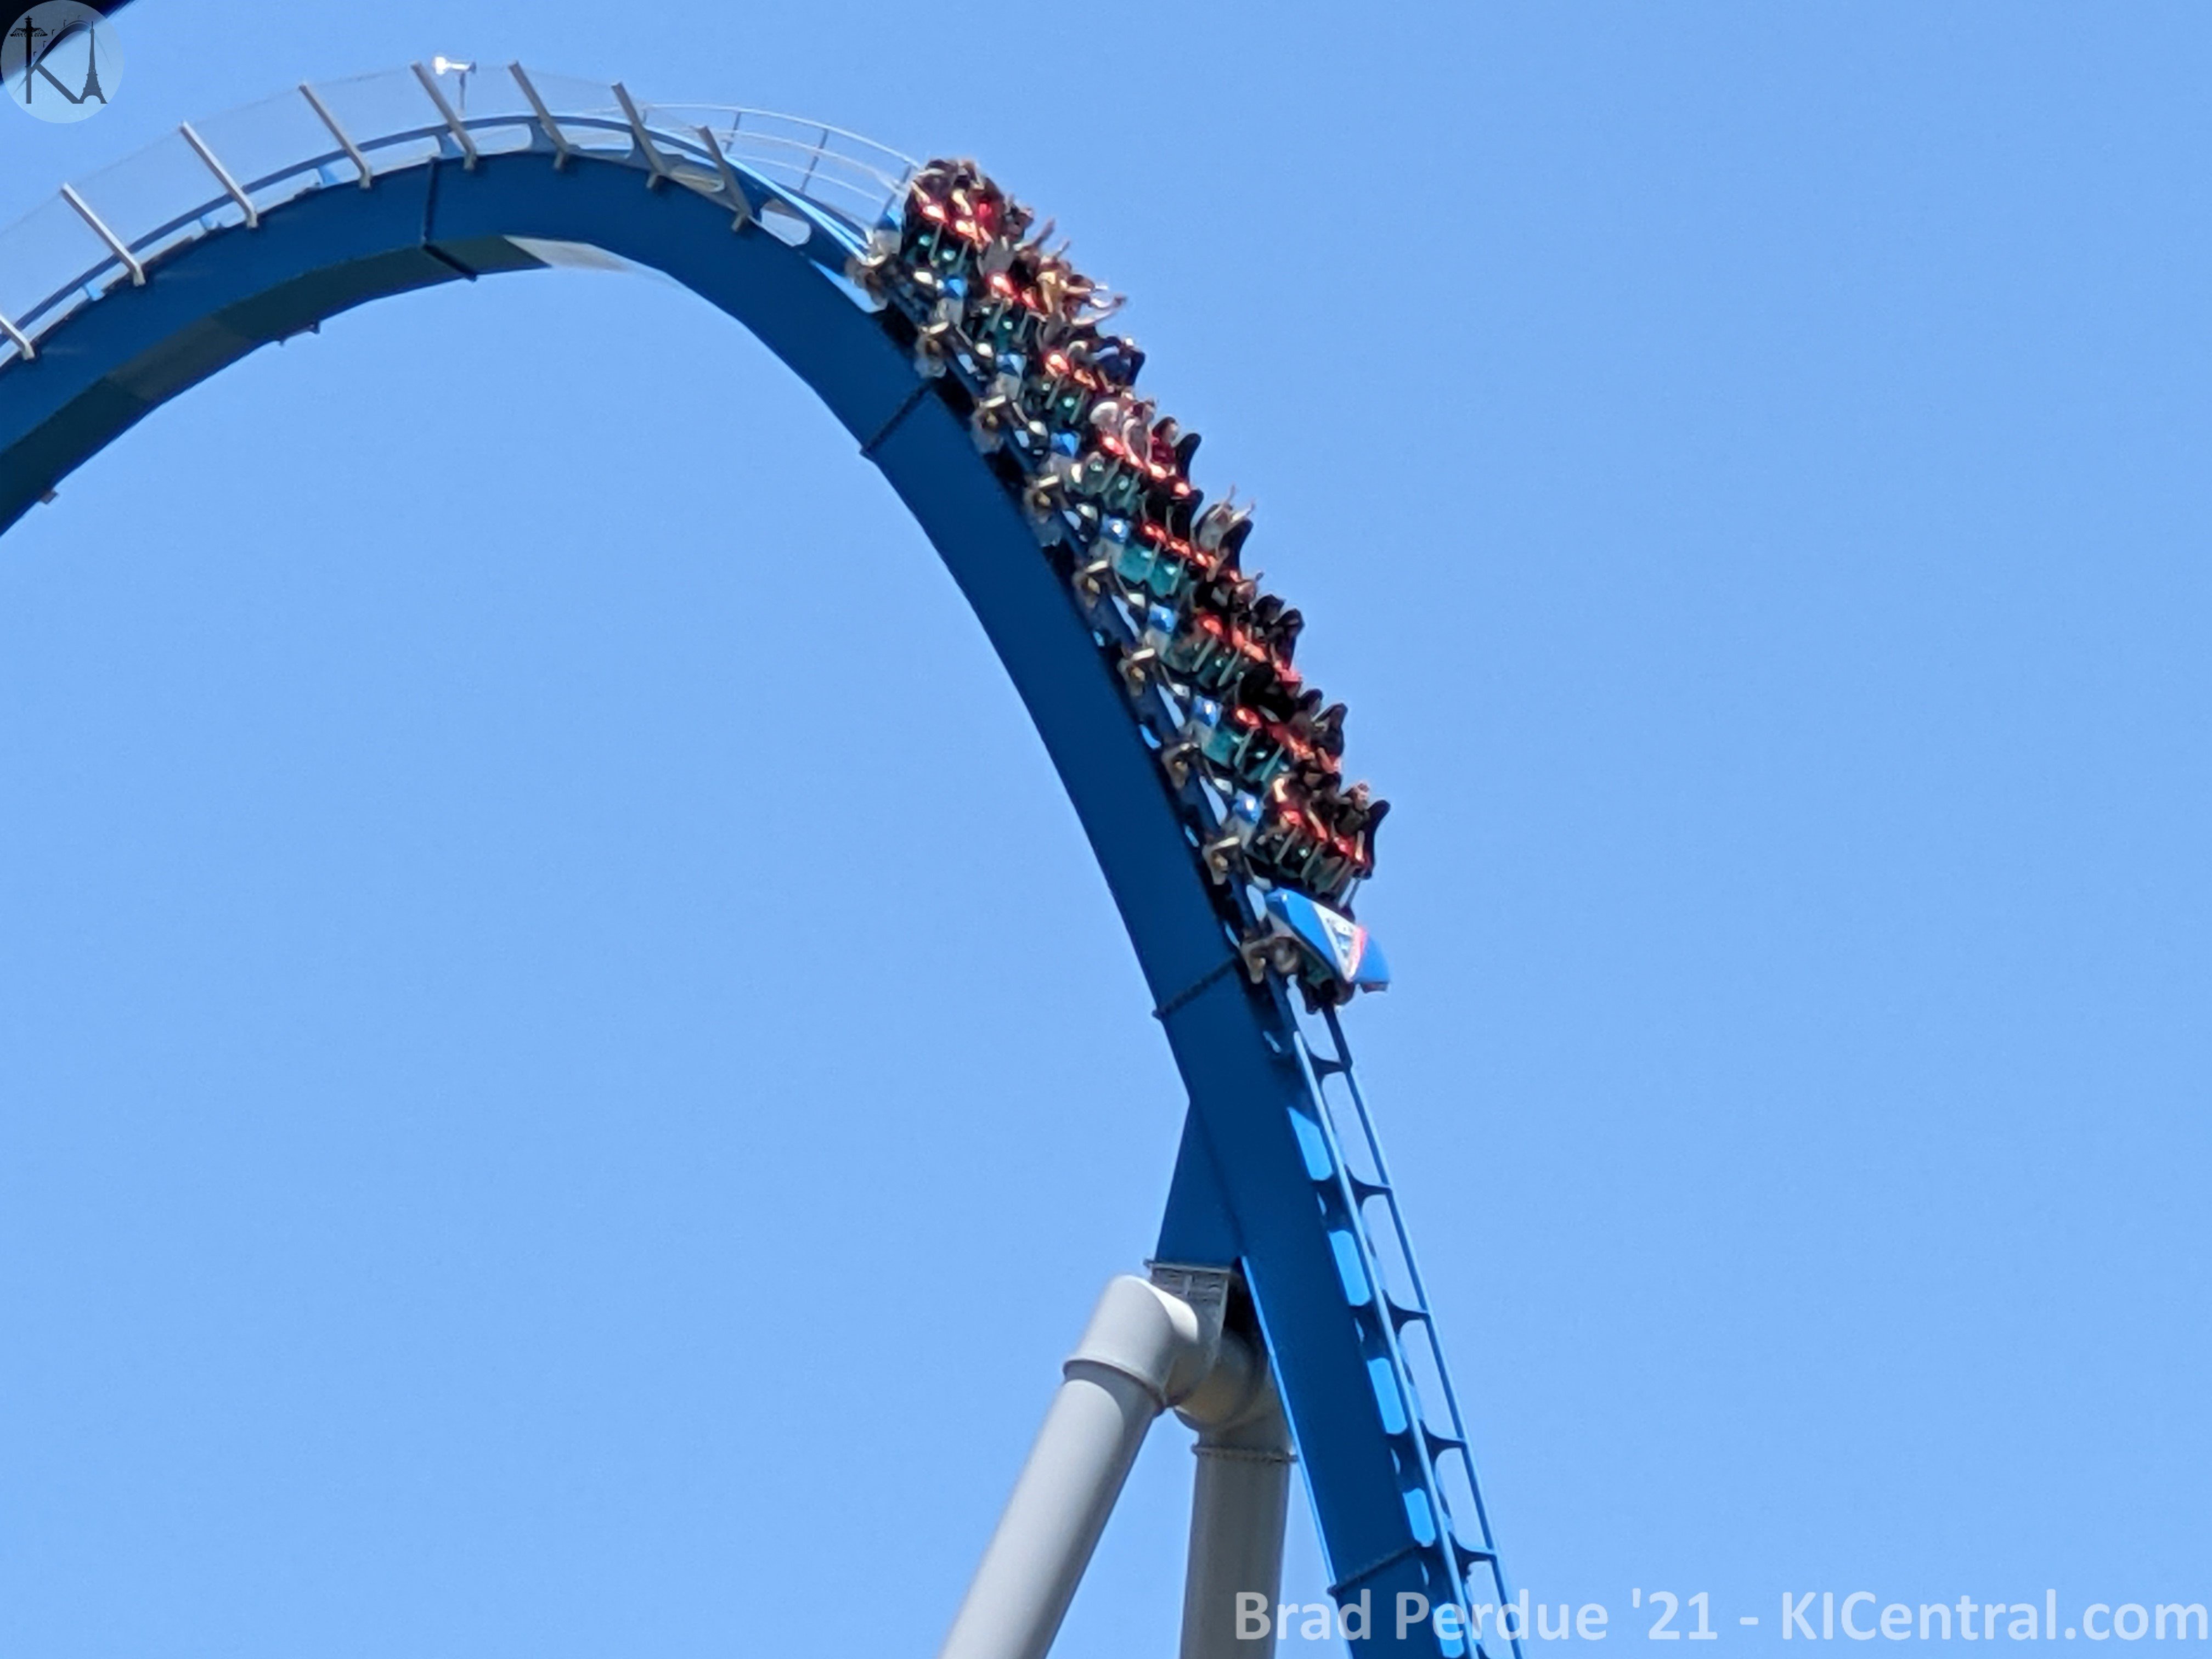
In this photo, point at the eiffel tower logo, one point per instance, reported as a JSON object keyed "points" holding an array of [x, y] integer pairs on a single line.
{"points": [[34, 60]]}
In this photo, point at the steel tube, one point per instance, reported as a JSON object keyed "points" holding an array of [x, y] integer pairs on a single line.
{"points": [[1240, 1501], [1141, 1345]]}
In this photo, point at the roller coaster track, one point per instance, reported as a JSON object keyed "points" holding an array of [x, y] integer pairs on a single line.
{"points": [[135, 283]]}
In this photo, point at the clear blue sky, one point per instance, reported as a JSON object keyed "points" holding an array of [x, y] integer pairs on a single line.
{"points": [[566, 1077]]}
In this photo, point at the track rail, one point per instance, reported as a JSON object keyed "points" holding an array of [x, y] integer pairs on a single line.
{"points": [[292, 210]]}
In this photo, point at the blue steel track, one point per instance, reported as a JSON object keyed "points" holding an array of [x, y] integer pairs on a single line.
{"points": [[1278, 1174]]}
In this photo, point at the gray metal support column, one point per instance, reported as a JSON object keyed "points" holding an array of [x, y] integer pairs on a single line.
{"points": [[1144, 1349], [1240, 1500]]}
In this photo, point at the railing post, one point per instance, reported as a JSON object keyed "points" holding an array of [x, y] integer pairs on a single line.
{"points": [[345, 139], [653, 159], [562, 147], [222, 175], [453, 122], [115, 243]]}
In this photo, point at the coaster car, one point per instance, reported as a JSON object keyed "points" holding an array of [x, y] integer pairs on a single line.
{"points": [[1099, 469], [1323, 950]]}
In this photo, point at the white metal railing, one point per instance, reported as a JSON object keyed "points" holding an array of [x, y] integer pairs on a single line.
{"points": [[229, 170]]}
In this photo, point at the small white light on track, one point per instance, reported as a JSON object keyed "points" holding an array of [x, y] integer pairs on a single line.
{"points": [[442, 64]]}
